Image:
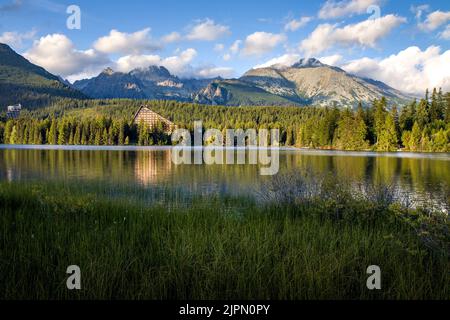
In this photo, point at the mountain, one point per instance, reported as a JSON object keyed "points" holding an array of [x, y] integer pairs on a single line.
{"points": [[307, 82], [154, 82], [110, 84], [28, 84]]}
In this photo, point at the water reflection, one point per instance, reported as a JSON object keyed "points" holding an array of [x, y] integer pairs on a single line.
{"points": [[152, 167], [422, 177]]}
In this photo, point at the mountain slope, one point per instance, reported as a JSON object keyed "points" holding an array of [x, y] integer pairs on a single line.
{"points": [[153, 82], [308, 82], [28, 84], [110, 84]]}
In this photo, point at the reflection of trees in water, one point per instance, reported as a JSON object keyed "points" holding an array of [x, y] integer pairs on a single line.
{"points": [[425, 181], [151, 167], [57, 164], [420, 177]]}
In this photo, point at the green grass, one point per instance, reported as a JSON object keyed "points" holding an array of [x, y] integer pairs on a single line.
{"points": [[204, 247]]}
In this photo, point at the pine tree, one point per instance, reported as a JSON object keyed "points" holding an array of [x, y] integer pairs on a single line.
{"points": [[8, 130], [416, 135], [351, 132], [77, 136], [422, 116], [2, 131], [52, 135], [13, 138], [388, 140], [289, 137], [435, 112], [379, 117], [62, 133], [121, 137]]}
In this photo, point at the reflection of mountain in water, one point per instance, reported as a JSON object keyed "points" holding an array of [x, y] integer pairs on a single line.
{"points": [[152, 167]]}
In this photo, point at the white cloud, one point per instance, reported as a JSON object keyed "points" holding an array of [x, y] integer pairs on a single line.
{"points": [[365, 34], [294, 25], [285, 60], [57, 54], [171, 37], [446, 33], [336, 9], [179, 64], [411, 70], [333, 60], [207, 30], [213, 72], [235, 46], [16, 39], [259, 43], [126, 43], [226, 57], [434, 20]]}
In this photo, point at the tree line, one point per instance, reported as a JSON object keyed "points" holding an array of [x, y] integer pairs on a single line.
{"points": [[422, 125]]}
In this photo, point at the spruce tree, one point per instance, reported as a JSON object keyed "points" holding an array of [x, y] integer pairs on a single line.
{"points": [[388, 140]]}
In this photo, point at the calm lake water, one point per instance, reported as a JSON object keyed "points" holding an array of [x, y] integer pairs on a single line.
{"points": [[425, 177]]}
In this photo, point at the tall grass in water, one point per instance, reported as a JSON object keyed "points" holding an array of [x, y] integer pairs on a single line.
{"points": [[316, 246]]}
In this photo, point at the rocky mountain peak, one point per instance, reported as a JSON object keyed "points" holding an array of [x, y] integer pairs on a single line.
{"points": [[108, 71], [308, 63]]}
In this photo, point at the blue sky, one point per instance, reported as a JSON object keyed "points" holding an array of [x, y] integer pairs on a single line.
{"points": [[209, 38]]}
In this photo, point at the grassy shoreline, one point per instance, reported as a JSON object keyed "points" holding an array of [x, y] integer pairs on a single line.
{"points": [[209, 248]]}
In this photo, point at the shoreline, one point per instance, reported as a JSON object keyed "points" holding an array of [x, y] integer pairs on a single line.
{"points": [[309, 151]]}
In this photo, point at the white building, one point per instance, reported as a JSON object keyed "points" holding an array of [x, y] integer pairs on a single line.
{"points": [[14, 111]]}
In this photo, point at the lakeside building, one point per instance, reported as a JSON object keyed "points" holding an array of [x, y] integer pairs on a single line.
{"points": [[152, 119], [13, 112]]}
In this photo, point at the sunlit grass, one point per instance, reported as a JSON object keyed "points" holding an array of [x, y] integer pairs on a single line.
{"points": [[135, 243]]}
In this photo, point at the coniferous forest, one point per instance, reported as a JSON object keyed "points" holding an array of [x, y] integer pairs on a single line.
{"points": [[422, 125]]}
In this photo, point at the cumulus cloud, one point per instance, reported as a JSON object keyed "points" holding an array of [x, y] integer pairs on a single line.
{"points": [[333, 60], [214, 72], [172, 37], [365, 34], [289, 59], [178, 64], [411, 70], [16, 39], [57, 54], [336, 9], [434, 20], [207, 30], [126, 43], [286, 60], [446, 33], [259, 43], [295, 24]]}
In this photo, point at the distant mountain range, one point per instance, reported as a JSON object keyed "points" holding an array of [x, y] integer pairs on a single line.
{"points": [[153, 82], [26, 83], [307, 82]]}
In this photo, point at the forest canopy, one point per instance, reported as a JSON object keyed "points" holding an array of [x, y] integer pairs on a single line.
{"points": [[422, 125]]}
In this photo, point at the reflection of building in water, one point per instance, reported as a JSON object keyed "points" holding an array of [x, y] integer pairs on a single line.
{"points": [[152, 166]]}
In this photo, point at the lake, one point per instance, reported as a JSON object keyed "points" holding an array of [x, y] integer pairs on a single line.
{"points": [[424, 177]]}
